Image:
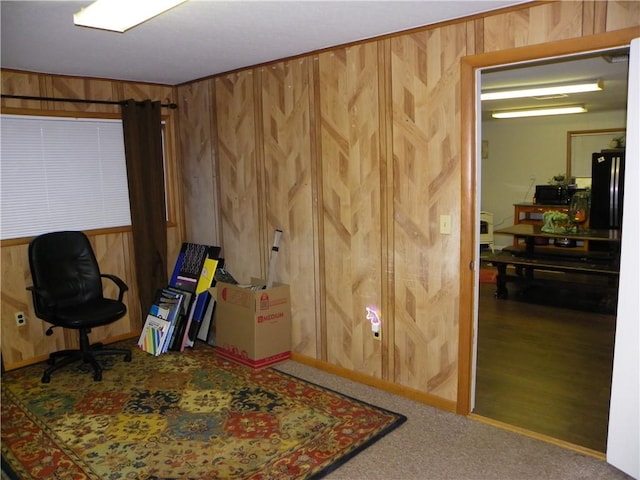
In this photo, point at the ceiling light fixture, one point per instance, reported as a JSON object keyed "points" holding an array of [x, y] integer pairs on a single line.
{"points": [[540, 91], [539, 112], [119, 15]]}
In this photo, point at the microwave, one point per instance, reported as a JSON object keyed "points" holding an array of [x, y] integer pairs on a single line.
{"points": [[553, 194]]}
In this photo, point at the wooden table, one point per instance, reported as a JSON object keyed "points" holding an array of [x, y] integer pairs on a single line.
{"points": [[529, 259], [530, 232]]}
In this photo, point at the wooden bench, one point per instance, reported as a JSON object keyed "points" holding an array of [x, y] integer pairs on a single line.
{"points": [[525, 266]]}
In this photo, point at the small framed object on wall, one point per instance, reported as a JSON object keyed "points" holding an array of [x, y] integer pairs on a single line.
{"points": [[582, 143]]}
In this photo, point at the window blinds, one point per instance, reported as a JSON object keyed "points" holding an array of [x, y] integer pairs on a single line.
{"points": [[61, 174]]}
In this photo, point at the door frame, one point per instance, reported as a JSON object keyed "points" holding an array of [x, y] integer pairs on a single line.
{"points": [[469, 216]]}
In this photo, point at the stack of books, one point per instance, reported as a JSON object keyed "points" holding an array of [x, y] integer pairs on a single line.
{"points": [[185, 307]]}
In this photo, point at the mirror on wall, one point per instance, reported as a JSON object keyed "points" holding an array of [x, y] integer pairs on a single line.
{"points": [[582, 143]]}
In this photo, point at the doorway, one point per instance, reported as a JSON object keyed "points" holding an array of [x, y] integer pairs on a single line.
{"points": [[545, 353], [471, 207]]}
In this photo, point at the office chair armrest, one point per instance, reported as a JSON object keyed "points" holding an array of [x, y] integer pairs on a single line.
{"points": [[45, 297], [118, 281], [44, 294]]}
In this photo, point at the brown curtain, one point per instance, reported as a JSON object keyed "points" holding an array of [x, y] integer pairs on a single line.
{"points": [[142, 126]]}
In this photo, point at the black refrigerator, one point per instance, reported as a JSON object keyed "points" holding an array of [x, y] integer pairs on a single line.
{"points": [[607, 190]]}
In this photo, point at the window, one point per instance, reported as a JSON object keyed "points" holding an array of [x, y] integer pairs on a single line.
{"points": [[61, 174]]}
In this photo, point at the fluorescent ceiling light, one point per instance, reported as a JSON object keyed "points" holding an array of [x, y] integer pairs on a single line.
{"points": [[121, 15], [543, 91], [538, 112]]}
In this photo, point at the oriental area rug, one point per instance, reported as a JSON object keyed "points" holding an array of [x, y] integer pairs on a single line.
{"points": [[180, 415]]}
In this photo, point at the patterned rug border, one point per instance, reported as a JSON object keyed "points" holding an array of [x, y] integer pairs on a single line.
{"points": [[9, 472], [382, 433]]}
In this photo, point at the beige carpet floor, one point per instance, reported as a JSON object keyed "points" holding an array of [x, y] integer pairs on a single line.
{"points": [[437, 445]]}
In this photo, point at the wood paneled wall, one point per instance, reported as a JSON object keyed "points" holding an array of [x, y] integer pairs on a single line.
{"points": [[426, 153], [199, 178], [351, 174], [286, 189], [236, 110], [355, 152], [114, 249]]}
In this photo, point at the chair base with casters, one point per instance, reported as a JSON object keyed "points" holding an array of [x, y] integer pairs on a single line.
{"points": [[87, 353]]}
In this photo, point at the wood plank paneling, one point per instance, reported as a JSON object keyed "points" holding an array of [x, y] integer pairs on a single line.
{"points": [[599, 17], [387, 303], [288, 189], [148, 91], [588, 18], [21, 83], [239, 213], [622, 15], [538, 24], [426, 119], [82, 88], [351, 180], [18, 343], [199, 177]]}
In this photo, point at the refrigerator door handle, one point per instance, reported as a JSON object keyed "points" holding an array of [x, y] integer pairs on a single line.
{"points": [[615, 178], [612, 190]]}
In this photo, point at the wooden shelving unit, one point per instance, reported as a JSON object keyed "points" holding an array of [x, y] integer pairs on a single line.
{"points": [[531, 214]]}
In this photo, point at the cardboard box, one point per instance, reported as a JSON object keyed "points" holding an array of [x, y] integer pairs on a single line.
{"points": [[253, 327]]}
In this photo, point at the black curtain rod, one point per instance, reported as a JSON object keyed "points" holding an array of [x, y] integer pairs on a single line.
{"points": [[172, 106]]}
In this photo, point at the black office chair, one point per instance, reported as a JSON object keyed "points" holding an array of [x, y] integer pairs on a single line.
{"points": [[67, 292]]}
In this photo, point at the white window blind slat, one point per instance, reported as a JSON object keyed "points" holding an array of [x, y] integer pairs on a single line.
{"points": [[61, 174]]}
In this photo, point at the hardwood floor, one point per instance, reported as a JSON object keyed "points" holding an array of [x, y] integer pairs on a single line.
{"points": [[545, 367]]}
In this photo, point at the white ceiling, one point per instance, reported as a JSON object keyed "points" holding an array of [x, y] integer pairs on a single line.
{"points": [[201, 38]]}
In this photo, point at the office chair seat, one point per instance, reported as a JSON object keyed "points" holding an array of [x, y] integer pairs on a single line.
{"points": [[94, 313], [67, 292]]}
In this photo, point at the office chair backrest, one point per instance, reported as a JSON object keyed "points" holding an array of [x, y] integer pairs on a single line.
{"points": [[63, 265]]}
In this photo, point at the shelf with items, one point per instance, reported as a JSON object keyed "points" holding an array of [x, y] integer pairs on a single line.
{"points": [[532, 214]]}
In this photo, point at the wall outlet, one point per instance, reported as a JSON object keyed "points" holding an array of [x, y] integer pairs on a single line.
{"points": [[445, 224], [21, 320]]}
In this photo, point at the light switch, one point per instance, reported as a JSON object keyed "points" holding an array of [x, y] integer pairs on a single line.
{"points": [[445, 224]]}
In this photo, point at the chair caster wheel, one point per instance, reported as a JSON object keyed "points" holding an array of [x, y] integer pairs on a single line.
{"points": [[127, 357], [46, 378]]}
